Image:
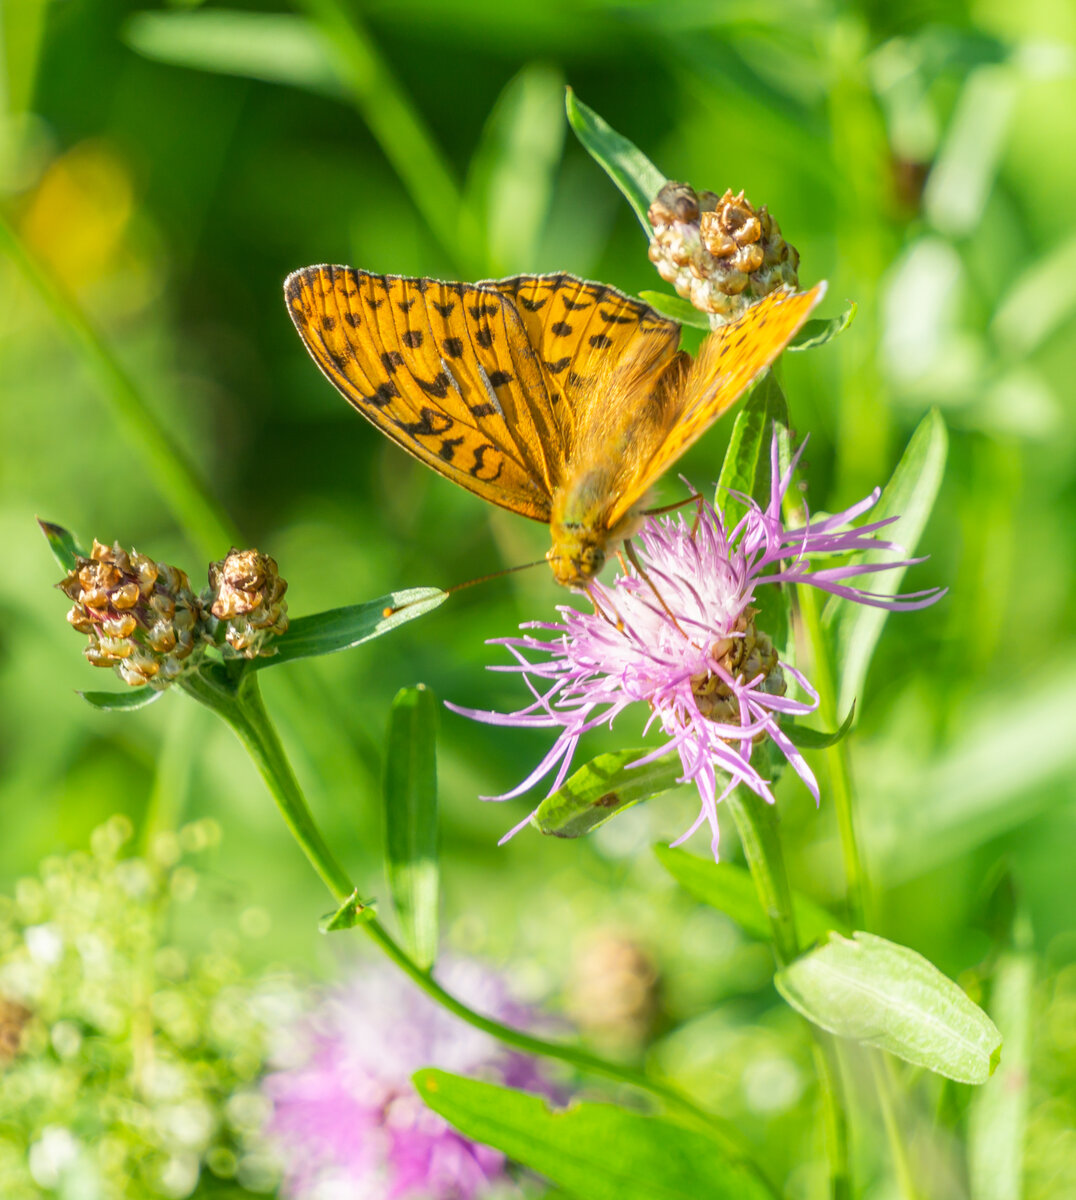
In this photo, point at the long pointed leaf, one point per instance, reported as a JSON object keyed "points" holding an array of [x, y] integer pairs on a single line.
{"points": [[410, 797], [910, 494], [730, 889], [625, 164], [342, 628], [596, 1151]]}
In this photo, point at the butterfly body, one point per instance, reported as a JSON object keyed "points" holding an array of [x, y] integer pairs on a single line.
{"points": [[558, 399]]}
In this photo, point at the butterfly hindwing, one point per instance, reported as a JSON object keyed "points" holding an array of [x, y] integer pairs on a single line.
{"points": [[445, 370], [728, 362]]}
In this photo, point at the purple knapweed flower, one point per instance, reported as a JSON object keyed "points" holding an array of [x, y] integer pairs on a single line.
{"points": [[681, 637], [346, 1119]]}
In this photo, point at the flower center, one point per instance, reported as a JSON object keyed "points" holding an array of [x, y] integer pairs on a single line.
{"points": [[745, 653]]}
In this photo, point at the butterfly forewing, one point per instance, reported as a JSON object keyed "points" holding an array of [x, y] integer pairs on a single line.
{"points": [[728, 362], [445, 370], [577, 329]]}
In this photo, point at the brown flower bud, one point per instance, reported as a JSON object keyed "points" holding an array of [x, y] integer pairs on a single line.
{"points": [[614, 990], [720, 253], [247, 596], [141, 616]]}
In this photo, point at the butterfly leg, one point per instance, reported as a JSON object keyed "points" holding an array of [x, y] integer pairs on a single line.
{"points": [[618, 624]]}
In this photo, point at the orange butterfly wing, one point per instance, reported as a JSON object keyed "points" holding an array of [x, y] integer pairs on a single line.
{"points": [[577, 329], [728, 362], [445, 370]]}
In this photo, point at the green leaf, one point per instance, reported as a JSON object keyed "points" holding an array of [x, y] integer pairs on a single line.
{"points": [[410, 799], [342, 628], [910, 494], [747, 469], [818, 332], [122, 701], [997, 1118], [513, 173], [881, 994], [818, 739], [274, 47], [596, 1151], [730, 889], [625, 164], [604, 787], [351, 913], [62, 544], [676, 308]]}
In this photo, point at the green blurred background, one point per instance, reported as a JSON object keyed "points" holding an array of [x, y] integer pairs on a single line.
{"points": [[168, 165]]}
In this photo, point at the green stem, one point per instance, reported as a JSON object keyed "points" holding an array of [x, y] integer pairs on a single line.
{"points": [[840, 775], [242, 707], [175, 478], [884, 1085], [757, 825], [401, 132]]}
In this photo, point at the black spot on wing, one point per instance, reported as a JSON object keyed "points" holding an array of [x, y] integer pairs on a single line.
{"points": [[478, 311], [412, 338], [436, 387], [385, 392], [555, 367], [613, 318], [453, 347], [405, 305], [445, 309], [600, 341], [532, 305], [561, 328], [483, 410], [352, 318], [431, 423], [499, 378], [448, 448], [480, 463], [576, 304], [484, 337], [328, 323], [392, 359]]}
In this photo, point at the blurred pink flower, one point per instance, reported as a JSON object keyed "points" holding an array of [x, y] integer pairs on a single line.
{"points": [[347, 1122], [712, 680]]}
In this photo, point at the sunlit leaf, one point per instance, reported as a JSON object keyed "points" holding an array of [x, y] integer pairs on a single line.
{"points": [[747, 470], [676, 308], [818, 332], [625, 164], [62, 544], [342, 628], [730, 889], [512, 176], [275, 47], [997, 1117], [818, 739], [122, 701], [597, 1151], [351, 913], [607, 785], [410, 809], [910, 494], [881, 994]]}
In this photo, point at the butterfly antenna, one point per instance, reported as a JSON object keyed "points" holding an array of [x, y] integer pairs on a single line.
{"points": [[459, 587]]}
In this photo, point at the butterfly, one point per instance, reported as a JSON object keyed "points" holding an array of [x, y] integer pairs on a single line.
{"points": [[558, 399]]}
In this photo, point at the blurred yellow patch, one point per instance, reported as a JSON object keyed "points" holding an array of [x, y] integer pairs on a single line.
{"points": [[79, 213]]}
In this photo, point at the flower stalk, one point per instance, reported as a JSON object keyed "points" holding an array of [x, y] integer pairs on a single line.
{"points": [[242, 707]]}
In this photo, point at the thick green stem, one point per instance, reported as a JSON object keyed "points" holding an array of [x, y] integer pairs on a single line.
{"points": [[757, 825], [175, 479], [243, 709]]}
